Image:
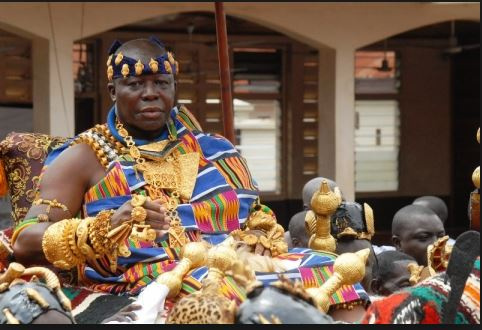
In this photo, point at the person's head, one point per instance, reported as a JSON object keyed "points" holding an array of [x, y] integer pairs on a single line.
{"points": [[414, 228], [313, 185], [143, 98], [392, 273], [348, 244], [297, 229], [434, 203]]}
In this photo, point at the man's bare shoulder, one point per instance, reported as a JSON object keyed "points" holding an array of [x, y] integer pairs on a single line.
{"points": [[78, 160]]}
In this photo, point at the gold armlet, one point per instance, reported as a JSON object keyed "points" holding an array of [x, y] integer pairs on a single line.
{"points": [[50, 204], [58, 244]]}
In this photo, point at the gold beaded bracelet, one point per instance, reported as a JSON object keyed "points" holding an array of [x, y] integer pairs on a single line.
{"points": [[99, 228]]}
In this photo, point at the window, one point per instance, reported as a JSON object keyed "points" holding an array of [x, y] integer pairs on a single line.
{"points": [[257, 113], [377, 122]]}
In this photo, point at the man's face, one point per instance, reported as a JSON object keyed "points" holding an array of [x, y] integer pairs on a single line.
{"points": [[144, 102], [417, 234], [399, 278]]}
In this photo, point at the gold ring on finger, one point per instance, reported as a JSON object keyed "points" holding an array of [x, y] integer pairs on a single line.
{"points": [[138, 200], [138, 214]]}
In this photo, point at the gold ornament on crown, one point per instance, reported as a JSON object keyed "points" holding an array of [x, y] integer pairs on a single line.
{"points": [[318, 220]]}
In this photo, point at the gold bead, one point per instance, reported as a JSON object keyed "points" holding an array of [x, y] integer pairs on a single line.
{"points": [[154, 65], [139, 67], [118, 58], [138, 200]]}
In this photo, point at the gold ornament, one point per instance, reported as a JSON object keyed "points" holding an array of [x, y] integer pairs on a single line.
{"points": [[167, 67], [177, 235], [138, 214], [118, 58], [110, 72], [192, 308], [56, 244], [139, 67], [476, 177], [348, 269], [170, 57], [415, 272], [177, 68], [109, 60], [193, 255], [51, 203], [125, 70], [154, 65], [138, 200], [438, 255], [318, 222], [16, 270]]}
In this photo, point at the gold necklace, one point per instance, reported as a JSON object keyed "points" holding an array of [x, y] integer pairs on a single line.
{"points": [[159, 177]]}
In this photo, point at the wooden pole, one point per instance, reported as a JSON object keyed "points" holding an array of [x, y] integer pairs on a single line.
{"points": [[224, 73]]}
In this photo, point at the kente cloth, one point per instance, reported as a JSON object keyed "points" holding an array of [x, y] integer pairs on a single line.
{"points": [[221, 199], [422, 304], [315, 268]]}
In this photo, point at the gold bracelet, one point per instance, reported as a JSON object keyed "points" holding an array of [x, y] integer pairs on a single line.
{"points": [[82, 234], [99, 227], [56, 244]]}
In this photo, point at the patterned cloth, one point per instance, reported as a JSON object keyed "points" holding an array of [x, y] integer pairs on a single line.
{"points": [[223, 194], [422, 304]]}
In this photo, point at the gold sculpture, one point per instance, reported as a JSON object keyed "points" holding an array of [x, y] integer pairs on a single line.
{"points": [[15, 271], [318, 221], [192, 308], [262, 233], [193, 255], [348, 269]]}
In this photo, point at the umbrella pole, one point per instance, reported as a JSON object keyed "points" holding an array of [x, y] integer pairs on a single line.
{"points": [[224, 73]]}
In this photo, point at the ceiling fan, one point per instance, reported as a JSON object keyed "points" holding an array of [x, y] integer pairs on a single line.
{"points": [[454, 47], [384, 66]]}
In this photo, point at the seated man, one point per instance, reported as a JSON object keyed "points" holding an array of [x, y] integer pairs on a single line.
{"points": [[149, 170], [392, 273], [414, 228]]}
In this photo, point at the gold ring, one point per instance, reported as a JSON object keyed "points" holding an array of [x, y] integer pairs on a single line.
{"points": [[138, 200], [138, 214]]}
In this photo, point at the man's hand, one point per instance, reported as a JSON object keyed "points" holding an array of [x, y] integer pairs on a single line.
{"points": [[156, 215]]}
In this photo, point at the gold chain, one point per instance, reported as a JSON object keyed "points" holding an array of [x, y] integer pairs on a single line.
{"points": [[175, 231]]}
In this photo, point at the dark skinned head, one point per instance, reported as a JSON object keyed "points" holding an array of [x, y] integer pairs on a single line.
{"points": [[434, 203], [352, 245], [392, 273], [298, 234], [414, 228], [143, 102]]}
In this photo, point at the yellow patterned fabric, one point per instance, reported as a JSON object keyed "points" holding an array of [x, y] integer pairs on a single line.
{"points": [[23, 155]]}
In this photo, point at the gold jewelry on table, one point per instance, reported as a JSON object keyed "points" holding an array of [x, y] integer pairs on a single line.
{"points": [[138, 214], [50, 204]]}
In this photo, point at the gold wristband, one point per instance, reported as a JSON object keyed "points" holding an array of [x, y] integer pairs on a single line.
{"points": [[99, 227], [82, 236], [56, 244]]}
